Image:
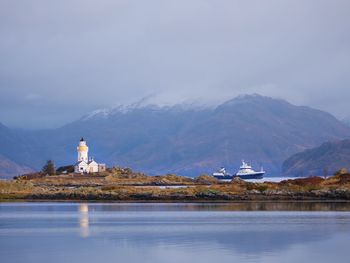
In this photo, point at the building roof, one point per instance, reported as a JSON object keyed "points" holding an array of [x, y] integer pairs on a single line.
{"points": [[77, 163]]}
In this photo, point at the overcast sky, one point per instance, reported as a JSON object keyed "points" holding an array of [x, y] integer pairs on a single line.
{"points": [[62, 59]]}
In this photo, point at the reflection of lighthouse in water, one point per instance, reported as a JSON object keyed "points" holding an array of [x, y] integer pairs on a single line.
{"points": [[84, 220]]}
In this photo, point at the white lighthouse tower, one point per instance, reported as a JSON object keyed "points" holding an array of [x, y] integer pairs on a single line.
{"points": [[83, 150], [84, 165]]}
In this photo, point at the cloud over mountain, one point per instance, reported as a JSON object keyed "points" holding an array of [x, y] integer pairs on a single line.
{"points": [[60, 60]]}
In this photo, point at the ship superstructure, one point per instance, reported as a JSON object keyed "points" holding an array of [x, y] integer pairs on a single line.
{"points": [[245, 172], [221, 174]]}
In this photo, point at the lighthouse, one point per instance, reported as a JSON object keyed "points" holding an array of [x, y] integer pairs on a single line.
{"points": [[84, 164], [83, 150]]}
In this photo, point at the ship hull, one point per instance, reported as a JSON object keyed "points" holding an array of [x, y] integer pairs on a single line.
{"points": [[257, 175], [223, 177], [251, 176]]}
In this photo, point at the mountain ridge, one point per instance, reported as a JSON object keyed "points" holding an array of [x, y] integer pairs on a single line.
{"points": [[189, 140], [328, 158]]}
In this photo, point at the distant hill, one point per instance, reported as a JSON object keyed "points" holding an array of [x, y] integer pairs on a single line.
{"points": [[9, 168], [330, 155], [346, 121], [12, 147], [187, 140]]}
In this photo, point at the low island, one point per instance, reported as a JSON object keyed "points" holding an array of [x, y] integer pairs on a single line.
{"points": [[122, 184]]}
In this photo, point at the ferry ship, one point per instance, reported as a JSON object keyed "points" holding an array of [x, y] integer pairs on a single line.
{"points": [[222, 174], [245, 172]]}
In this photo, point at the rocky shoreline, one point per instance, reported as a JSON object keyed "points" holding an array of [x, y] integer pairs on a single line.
{"points": [[121, 185], [334, 195]]}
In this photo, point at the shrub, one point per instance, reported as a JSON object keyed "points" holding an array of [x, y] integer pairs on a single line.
{"points": [[341, 171], [49, 168]]}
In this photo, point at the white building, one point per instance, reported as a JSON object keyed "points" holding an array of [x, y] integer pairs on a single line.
{"points": [[84, 164]]}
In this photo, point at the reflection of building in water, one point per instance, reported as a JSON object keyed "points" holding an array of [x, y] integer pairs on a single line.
{"points": [[84, 220]]}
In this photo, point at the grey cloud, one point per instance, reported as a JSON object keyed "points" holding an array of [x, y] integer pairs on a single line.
{"points": [[60, 59]]}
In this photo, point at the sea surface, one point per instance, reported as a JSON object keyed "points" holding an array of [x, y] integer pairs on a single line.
{"points": [[268, 179], [176, 232]]}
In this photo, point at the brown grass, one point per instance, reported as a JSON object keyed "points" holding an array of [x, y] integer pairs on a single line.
{"points": [[123, 184]]}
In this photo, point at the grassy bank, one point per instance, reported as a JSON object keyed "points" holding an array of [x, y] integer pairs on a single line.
{"points": [[124, 185]]}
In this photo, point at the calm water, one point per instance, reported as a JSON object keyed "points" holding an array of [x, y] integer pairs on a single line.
{"points": [[268, 179], [253, 232]]}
